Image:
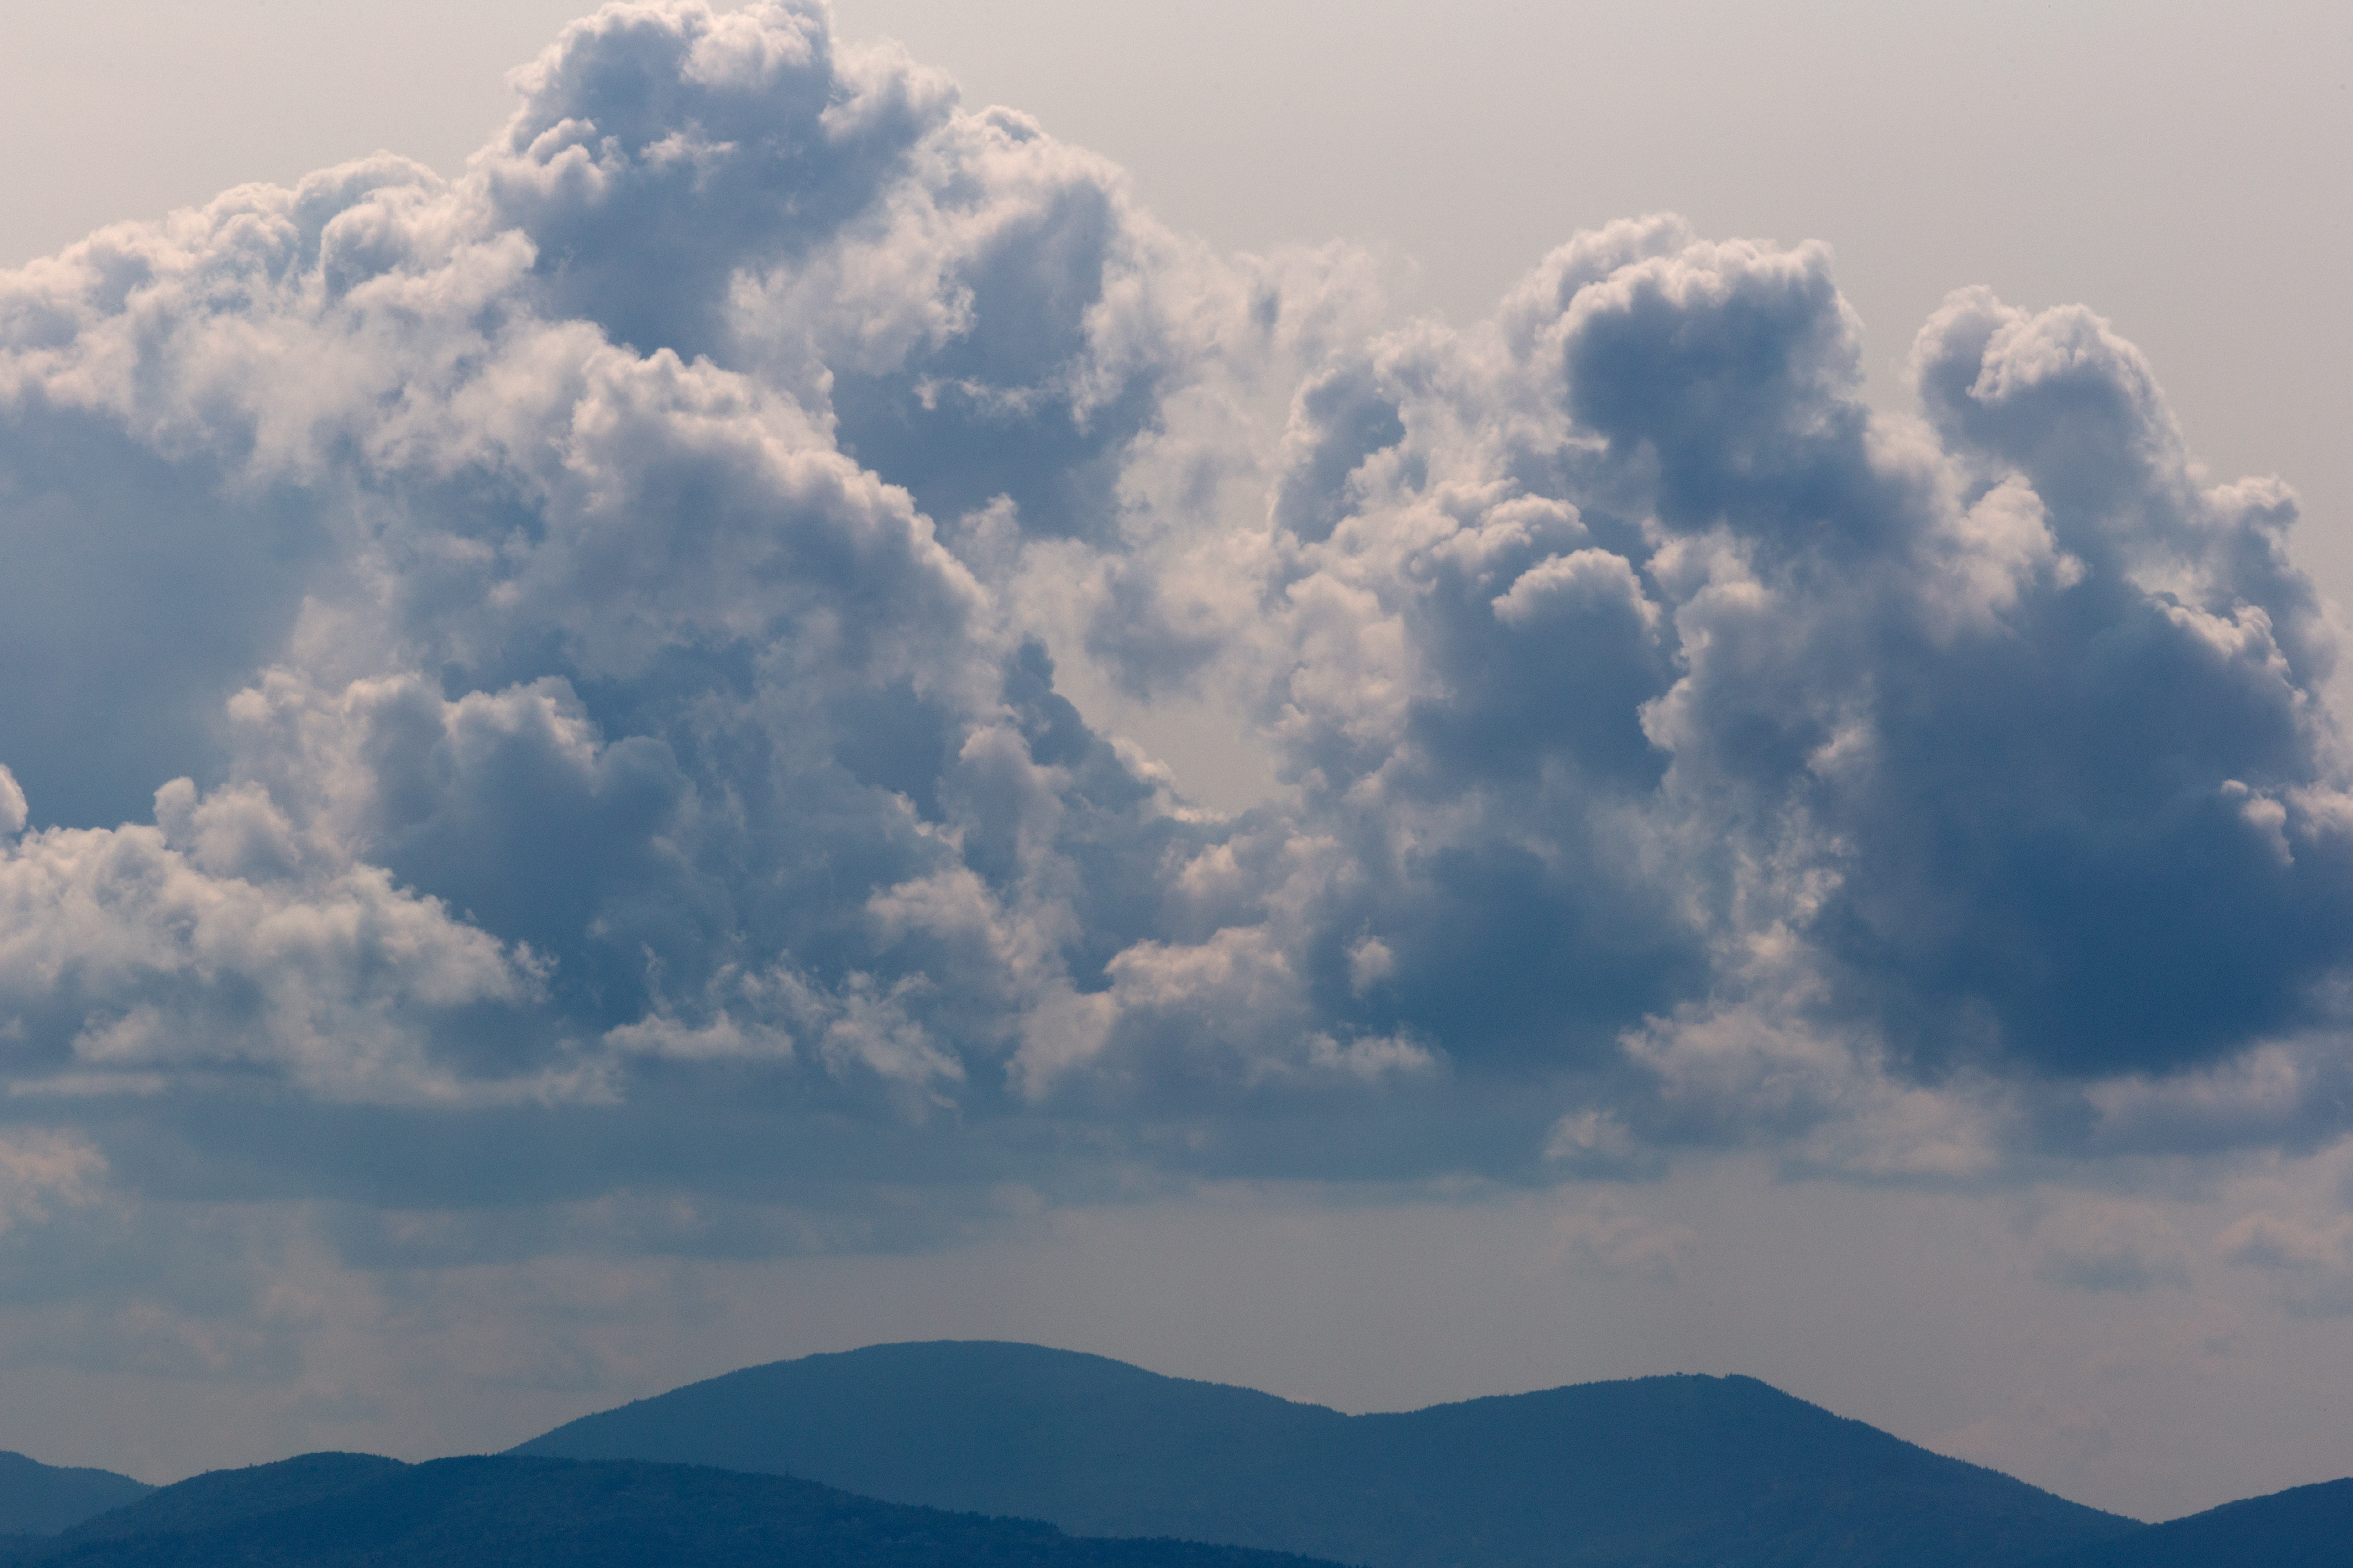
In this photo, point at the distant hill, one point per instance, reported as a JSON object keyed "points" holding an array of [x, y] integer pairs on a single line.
{"points": [[219, 1498], [2306, 1527], [1664, 1472], [41, 1499], [353, 1510]]}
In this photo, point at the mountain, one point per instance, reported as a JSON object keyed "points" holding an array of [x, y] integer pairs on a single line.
{"points": [[2305, 1527], [1659, 1472], [354, 1511], [220, 1497], [41, 1499]]}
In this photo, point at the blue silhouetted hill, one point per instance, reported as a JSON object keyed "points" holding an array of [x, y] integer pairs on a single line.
{"points": [[41, 1499], [354, 1510], [219, 1498], [1657, 1472], [2305, 1527]]}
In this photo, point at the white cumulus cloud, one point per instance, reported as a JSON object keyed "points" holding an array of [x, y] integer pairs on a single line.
{"points": [[637, 629]]}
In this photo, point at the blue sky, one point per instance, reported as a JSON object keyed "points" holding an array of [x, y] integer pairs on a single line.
{"points": [[779, 710]]}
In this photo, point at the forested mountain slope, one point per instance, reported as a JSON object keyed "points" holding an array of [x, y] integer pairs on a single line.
{"points": [[2304, 1527]]}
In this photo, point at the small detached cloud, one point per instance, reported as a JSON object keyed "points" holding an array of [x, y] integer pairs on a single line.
{"points": [[1608, 1240], [2109, 1245], [2308, 1257], [631, 638]]}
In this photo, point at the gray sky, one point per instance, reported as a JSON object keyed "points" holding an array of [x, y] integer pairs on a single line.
{"points": [[483, 1197]]}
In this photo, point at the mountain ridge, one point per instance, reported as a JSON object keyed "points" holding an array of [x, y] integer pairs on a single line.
{"points": [[2301, 1527], [1645, 1471], [1678, 1471], [357, 1510], [38, 1499]]}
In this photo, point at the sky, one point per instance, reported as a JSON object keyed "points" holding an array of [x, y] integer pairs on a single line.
{"points": [[1388, 704]]}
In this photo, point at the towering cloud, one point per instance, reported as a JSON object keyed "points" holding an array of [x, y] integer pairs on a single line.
{"points": [[573, 663]]}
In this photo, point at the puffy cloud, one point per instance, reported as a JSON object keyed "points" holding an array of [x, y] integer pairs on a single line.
{"points": [[633, 633], [134, 963]]}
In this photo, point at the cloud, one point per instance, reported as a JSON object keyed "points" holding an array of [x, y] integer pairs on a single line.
{"points": [[2084, 1243], [2304, 1249], [40, 1169], [1606, 1238], [633, 635], [131, 962]]}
